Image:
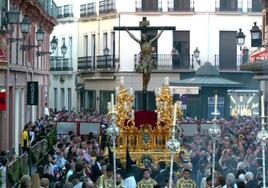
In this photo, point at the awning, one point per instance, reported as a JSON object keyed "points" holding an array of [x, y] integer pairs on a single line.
{"points": [[259, 56], [206, 81]]}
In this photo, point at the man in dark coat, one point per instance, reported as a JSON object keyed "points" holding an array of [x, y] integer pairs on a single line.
{"points": [[162, 175]]}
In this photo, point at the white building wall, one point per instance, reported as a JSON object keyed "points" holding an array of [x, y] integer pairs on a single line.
{"points": [[204, 24]]}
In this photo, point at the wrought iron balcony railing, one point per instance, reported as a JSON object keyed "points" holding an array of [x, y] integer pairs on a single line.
{"points": [[180, 6], [107, 6], [148, 6], [167, 62], [235, 65], [61, 64], [49, 6], [65, 11], [92, 63], [88, 10]]}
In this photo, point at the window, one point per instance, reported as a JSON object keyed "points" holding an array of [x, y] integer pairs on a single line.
{"points": [[112, 42], [105, 97], [69, 99], [90, 101], [87, 9], [68, 11], [93, 50], [256, 6], [181, 5], [70, 50], [228, 5], [60, 12], [83, 9], [56, 98], [106, 6], [86, 45], [105, 38], [91, 9], [228, 46], [62, 98], [149, 5], [181, 41]]}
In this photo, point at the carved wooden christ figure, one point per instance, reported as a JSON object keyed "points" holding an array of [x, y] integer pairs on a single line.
{"points": [[146, 61]]}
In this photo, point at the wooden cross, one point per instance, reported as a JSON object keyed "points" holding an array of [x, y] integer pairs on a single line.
{"points": [[146, 63]]}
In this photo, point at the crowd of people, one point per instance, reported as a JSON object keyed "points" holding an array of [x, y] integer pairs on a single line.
{"points": [[80, 161]]}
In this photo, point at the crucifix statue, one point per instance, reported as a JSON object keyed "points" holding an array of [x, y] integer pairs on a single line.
{"points": [[146, 60]]}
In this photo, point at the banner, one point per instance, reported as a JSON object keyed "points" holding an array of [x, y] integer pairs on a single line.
{"points": [[3, 105], [32, 93]]}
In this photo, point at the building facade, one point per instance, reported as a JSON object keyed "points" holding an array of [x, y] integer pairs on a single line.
{"points": [[64, 66], [26, 60], [209, 25]]}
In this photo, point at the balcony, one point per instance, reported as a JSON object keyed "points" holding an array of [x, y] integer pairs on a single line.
{"points": [[222, 64], [61, 64], [107, 6], [148, 6], [91, 63], [49, 6], [65, 11], [256, 6], [180, 6], [228, 6], [87, 10], [165, 62]]}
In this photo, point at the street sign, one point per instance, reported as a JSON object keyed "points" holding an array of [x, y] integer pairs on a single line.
{"points": [[32, 93], [185, 90]]}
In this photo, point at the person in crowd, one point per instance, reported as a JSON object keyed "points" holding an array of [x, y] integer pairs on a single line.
{"points": [[106, 179], [230, 181], [35, 181], [250, 180], [3, 170], [25, 181], [25, 140], [162, 175], [186, 181], [78, 173], [119, 181], [44, 182], [146, 181]]}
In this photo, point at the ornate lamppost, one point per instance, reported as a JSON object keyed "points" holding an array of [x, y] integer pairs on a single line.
{"points": [[214, 132], [173, 144], [262, 137], [113, 132]]}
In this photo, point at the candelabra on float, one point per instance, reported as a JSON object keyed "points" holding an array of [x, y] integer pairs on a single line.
{"points": [[164, 104], [173, 144], [262, 137], [214, 132], [124, 103], [113, 132]]}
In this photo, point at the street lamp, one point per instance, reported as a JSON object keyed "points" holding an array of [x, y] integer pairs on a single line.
{"points": [[240, 41], [63, 49], [40, 35], [13, 16], [54, 43], [25, 26], [256, 38], [106, 52], [240, 38], [214, 132], [196, 55]]}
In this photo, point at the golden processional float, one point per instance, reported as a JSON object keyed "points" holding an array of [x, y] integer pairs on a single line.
{"points": [[146, 141]]}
